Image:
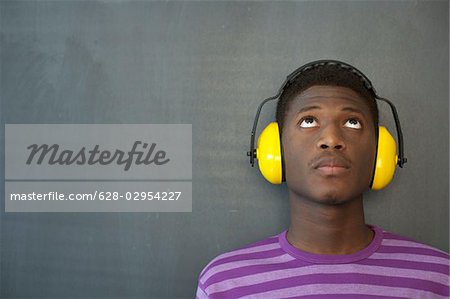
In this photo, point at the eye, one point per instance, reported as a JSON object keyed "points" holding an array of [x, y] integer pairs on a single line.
{"points": [[353, 123], [308, 122]]}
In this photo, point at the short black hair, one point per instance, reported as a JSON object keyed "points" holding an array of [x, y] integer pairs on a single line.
{"points": [[328, 75]]}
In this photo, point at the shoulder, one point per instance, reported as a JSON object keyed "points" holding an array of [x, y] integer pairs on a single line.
{"points": [[413, 258], [395, 243], [249, 252], [240, 262]]}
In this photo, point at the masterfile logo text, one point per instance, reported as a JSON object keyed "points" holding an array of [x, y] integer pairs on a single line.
{"points": [[98, 151], [98, 167], [51, 154]]}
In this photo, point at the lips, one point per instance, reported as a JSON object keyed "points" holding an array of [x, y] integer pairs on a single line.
{"points": [[331, 165]]}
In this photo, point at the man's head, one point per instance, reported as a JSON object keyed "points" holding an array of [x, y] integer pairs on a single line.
{"points": [[328, 122], [330, 75]]}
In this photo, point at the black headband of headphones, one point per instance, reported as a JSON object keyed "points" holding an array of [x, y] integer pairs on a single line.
{"points": [[290, 78]]}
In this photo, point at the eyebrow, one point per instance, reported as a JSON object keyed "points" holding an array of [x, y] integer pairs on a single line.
{"points": [[315, 107], [308, 108], [351, 109]]}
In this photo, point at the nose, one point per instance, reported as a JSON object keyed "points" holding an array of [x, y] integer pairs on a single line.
{"points": [[331, 138]]}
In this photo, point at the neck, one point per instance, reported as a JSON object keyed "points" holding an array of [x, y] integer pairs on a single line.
{"points": [[328, 229]]}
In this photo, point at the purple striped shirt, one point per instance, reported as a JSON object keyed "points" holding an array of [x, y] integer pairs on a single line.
{"points": [[390, 267]]}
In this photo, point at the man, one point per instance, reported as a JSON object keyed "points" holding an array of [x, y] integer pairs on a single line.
{"points": [[328, 121]]}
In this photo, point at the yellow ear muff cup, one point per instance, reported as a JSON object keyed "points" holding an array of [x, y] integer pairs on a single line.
{"points": [[268, 153], [386, 159]]}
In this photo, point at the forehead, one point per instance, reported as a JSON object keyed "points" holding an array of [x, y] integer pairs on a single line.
{"points": [[332, 96]]}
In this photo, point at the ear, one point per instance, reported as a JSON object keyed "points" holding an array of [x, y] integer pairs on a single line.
{"points": [[386, 159], [268, 154]]}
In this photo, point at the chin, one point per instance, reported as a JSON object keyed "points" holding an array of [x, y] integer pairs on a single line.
{"points": [[335, 196], [332, 200], [331, 196]]}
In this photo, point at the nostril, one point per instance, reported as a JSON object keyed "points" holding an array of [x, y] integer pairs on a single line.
{"points": [[338, 146], [324, 146]]}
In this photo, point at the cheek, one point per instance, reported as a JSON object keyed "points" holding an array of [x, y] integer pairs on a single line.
{"points": [[367, 160], [295, 155]]}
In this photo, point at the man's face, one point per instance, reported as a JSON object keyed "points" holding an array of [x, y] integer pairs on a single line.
{"points": [[329, 144]]}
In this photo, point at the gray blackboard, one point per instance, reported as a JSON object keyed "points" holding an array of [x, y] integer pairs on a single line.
{"points": [[208, 64]]}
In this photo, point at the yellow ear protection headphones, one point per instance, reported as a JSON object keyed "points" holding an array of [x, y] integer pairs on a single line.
{"points": [[269, 150]]}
